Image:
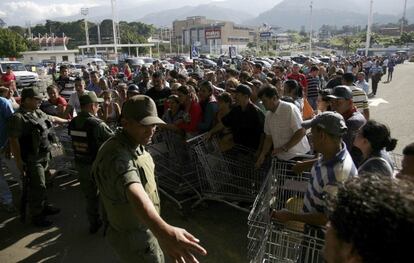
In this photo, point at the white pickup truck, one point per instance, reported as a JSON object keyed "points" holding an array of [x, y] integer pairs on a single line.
{"points": [[24, 78]]}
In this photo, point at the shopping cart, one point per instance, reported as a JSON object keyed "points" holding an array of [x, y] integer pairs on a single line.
{"points": [[396, 158], [270, 241], [175, 166], [230, 176], [62, 152]]}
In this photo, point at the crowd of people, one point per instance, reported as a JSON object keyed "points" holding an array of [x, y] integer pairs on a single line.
{"points": [[288, 112]]}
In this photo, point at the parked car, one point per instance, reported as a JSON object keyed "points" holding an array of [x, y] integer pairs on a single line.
{"points": [[24, 78], [167, 65], [98, 61], [264, 63], [207, 63], [299, 59]]}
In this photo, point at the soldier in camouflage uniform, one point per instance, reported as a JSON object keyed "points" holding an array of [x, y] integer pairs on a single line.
{"points": [[30, 138], [88, 134], [124, 173]]}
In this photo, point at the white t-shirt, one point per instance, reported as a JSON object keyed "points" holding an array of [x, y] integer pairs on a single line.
{"points": [[282, 125], [74, 102]]}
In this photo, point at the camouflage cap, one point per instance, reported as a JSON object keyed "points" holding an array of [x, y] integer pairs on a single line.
{"points": [[31, 92], [89, 97], [141, 108]]}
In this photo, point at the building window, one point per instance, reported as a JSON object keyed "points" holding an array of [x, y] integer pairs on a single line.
{"points": [[65, 58]]}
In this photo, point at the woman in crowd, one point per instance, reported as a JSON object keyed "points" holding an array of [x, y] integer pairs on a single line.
{"points": [[56, 104], [323, 101], [127, 72], [110, 110], [103, 84], [374, 140], [225, 137], [192, 111], [174, 114], [293, 90], [208, 105], [231, 85]]}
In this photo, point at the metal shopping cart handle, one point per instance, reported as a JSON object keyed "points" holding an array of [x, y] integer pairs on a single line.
{"points": [[196, 138]]}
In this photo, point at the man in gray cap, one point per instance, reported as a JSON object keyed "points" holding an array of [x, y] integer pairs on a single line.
{"points": [[342, 102], [31, 139], [333, 167], [124, 173], [88, 134]]}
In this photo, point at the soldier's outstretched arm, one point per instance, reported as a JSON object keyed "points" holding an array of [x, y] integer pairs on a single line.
{"points": [[56, 119], [175, 242]]}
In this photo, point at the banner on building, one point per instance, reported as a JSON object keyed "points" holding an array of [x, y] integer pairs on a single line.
{"points": [[212, 33]]}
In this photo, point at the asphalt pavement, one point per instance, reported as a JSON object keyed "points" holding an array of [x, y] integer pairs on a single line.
{"points": [[394, 105], [221, 229]]}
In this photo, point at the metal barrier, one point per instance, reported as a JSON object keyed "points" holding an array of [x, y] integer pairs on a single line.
{"points": [[270, 241], [396, 158], [175, 166], [230, 176]]}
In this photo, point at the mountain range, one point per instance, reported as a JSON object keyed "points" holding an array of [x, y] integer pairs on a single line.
{"points": [[211, 11], [292, 14], [287, 14]]}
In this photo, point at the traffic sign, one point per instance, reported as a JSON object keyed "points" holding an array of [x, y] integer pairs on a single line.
{"points": [[232, 52], [265, 34], [194, 52]]}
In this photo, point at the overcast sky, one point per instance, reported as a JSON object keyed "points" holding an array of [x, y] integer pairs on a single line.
{"points": [[21, 11]]}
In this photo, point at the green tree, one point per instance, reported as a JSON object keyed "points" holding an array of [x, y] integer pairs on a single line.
{"points": [[406, 38], [11, 43]]}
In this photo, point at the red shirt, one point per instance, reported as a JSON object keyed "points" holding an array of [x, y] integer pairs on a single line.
{"points": [[128, 73], [60, 101], [195, 116], [114, 71], [8, 77], [299, 78]]}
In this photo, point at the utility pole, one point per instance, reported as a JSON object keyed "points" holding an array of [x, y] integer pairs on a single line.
{"points": [[98, 24], [29, 29], [114, 29], [84, 12], [169, 33], [311, 28], [369, 28], [403, 17]]}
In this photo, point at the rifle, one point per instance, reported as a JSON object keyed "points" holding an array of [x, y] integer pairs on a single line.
{"points": [[23, 199]]}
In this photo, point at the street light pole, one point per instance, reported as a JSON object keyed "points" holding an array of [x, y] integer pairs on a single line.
{"points": [[98, 24], [182, 41], [113, 3], [403, 17], [169, 33], [311, 28], [369, 28], [84, 12]]}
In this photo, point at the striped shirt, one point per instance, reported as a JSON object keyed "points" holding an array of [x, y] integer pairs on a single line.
{"points": [[313, 86], [360, 98], [326, 177]]}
